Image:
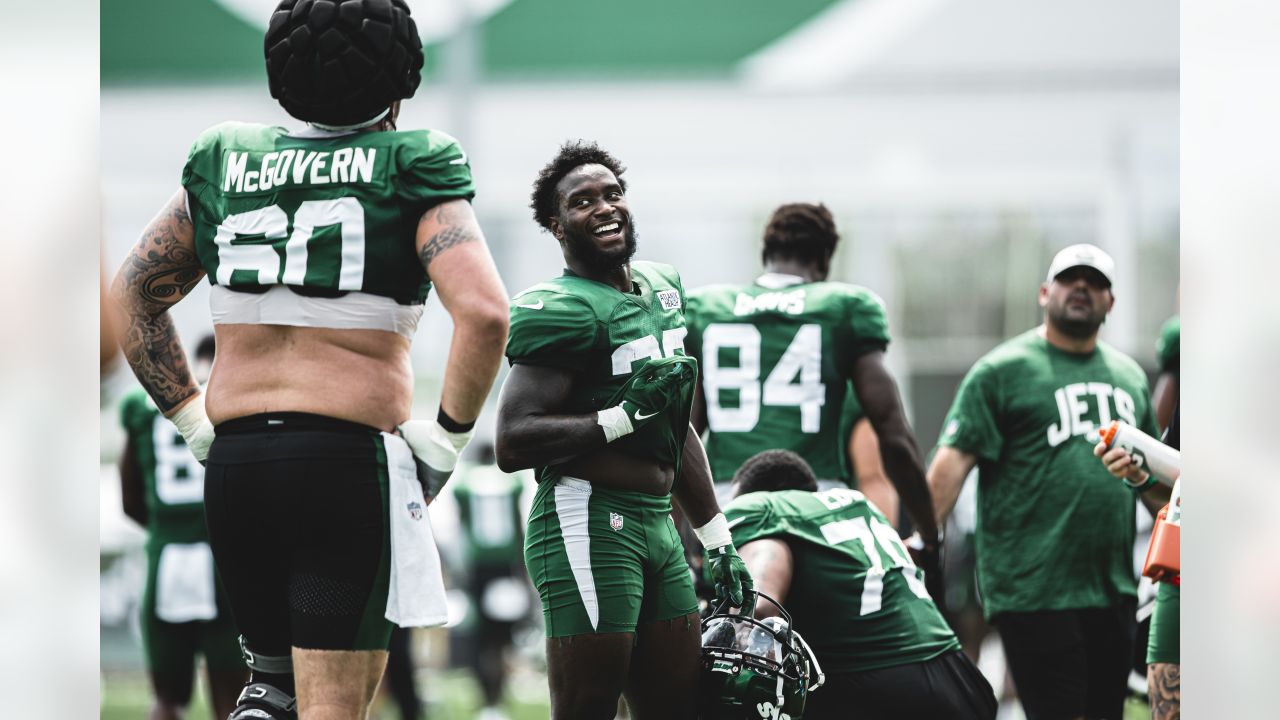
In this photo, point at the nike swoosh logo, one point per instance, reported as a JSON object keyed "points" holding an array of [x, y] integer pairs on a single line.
{"points": [[535, 306], [460, 160], [735, 521], [258, 692], [644, 417]]}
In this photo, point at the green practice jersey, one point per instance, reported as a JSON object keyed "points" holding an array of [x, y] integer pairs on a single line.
{"points": [[326, 215], [855, 594], [173, 480], [1055, 530], [1167, 353], [601, 334], [489, 510], [776, 357]]}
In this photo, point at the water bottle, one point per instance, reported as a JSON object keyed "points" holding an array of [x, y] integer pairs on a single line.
{"points": [[1163, 462]]}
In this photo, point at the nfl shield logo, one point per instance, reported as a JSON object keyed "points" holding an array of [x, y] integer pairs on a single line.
{"points": [[415, 510], [615, 521]]}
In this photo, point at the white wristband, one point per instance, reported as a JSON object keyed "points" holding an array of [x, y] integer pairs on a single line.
{"points": [[715, 534], [615, 423]]}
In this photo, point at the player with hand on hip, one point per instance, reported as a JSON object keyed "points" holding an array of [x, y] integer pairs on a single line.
{"points": [[598, 400], [321, 244]]}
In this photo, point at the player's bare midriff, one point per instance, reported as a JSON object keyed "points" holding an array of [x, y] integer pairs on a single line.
{"points": [[609, 468], [364, 376]]}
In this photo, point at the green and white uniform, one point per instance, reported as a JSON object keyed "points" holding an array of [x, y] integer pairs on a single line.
{"points": [[332, 217], [489, 513], [184, 608], [1055, 530], [605, 560], [318, 229], [855, 594], [776, 357]]}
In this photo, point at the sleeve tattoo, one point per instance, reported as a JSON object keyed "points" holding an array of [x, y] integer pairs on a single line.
{"points": [[452, 229], [159, 272]]}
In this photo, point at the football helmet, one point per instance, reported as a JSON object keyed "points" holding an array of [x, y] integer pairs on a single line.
{"points": [[754, 669]]}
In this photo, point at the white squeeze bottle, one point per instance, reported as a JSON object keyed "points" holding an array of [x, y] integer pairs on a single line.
{"points": [[1163, 462]]}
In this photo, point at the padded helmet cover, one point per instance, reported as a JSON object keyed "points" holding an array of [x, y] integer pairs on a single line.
{"points": [[341, 62]]}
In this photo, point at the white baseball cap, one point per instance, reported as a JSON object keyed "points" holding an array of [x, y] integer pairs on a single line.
{"points": [[1082, 255]]}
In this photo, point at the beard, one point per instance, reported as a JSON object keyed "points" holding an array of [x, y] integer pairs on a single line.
{"points": [[584, 248], [1075, 325]]}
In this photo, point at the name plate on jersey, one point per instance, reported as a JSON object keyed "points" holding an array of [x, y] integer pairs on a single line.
{"points": [[670, 299], [253, 172]]}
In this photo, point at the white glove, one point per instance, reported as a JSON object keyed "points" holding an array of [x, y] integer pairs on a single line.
{"points": [[436, 451], [192, 421]]}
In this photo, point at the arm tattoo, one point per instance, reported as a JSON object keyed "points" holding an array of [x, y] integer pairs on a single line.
{"points": [[159, 272], [1164, 681], [454, 230]]}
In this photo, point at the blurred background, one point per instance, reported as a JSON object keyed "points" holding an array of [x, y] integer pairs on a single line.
{"points": [[959, 145]]}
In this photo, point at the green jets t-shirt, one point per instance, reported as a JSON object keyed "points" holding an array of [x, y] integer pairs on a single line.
{"points": [[324, 215], [603, 336], [1055, 530], [855, 595], [775, 358], [489, 511], [173, 480], [1167, 346]]}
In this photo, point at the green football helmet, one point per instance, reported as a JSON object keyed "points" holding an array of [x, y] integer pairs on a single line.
{"points": [[754, 669]]}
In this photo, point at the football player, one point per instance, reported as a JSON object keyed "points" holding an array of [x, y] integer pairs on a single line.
{"points": [[854, 593], [777, 357], [321, 243], [184, 609], [598, 400], [492, 538]]}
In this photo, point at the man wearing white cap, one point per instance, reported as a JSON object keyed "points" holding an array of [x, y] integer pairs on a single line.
{"points": [[1055, 532]]}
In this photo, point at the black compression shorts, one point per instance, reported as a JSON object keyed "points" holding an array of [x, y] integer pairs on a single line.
{"points": [[297, 511], [948, 686]]}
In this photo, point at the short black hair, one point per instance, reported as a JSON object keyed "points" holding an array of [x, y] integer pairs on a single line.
{"points": [[574, 153], [800, 231], [774, 470], [206, 347]]}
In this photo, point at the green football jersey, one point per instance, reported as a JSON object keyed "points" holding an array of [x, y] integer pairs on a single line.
{"points": [[855, 594], [328, 214], [173, 480], [1055, 530], [489, 510], [1167, 354], [601, 335], [775, 358]]}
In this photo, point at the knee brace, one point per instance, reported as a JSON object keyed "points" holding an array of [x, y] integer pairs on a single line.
{"points": [[262, 698], [260, 701]]}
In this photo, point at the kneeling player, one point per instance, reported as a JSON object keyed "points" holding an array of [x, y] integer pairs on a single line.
{"points": [[854, 593]]}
